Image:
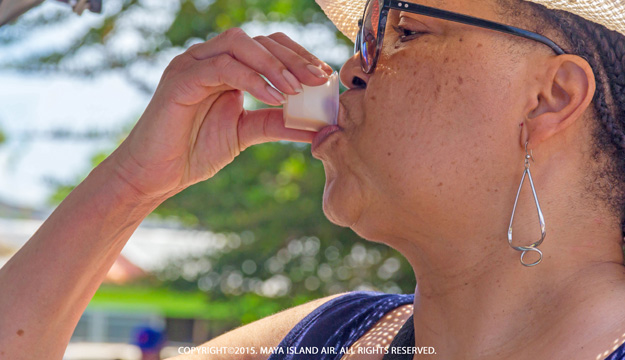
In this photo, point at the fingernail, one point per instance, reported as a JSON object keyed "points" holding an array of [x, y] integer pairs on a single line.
{"points": [[317, 71], [276, 94], [292, 80], [323, 65]]}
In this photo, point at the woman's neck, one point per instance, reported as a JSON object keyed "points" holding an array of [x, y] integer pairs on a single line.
{"points": [[481, 306]]}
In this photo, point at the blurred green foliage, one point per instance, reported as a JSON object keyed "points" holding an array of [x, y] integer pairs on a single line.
{"points": [[174, 304], [160, 26], [274, 240], [224, 14], [277, 240], [272, 237]]}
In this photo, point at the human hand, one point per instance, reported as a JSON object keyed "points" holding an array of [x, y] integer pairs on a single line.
{"points": [[195, 123]]}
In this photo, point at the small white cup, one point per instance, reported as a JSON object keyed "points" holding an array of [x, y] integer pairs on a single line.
{"points": [[315, 107]]}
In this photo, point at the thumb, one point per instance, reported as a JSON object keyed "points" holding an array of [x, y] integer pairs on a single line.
{"points": [[265, 125]]}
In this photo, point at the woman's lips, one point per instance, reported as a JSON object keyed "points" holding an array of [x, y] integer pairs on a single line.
{"points": [[323, 134], [326, 131]]}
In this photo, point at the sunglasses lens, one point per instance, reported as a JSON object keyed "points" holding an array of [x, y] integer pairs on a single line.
{"points": [[369, 34]]}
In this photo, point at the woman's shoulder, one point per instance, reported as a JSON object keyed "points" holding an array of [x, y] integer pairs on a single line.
{"points": [[334, 326], [358, 308], [307, 324], [266, 332]]}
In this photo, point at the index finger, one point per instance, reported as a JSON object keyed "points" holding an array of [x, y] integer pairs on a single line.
{"points": [[284, 40], [236, 43]]}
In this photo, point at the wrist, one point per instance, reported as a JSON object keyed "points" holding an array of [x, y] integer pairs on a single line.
{"points": [[116, 184]]}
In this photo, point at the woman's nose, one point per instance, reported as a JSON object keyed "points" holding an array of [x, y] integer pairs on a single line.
{"points": [[351, 74]]}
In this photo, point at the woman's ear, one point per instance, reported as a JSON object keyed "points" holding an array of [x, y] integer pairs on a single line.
{"points": [[564, 92]]}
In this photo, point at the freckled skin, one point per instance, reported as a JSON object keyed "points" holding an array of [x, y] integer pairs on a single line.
{"points": [[427, 88], [448, 112]]}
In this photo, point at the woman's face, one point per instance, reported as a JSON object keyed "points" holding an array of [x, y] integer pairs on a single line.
{"points": [[431, 144]]}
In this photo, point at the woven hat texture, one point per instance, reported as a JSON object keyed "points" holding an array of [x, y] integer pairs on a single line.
{"points": [[609, 13]]}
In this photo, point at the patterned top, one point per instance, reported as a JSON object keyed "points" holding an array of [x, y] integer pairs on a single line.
{"points": [[330, 330]]}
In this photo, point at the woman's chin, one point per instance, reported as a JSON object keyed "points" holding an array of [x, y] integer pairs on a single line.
{"points": [[342, 204], [346, 204]]}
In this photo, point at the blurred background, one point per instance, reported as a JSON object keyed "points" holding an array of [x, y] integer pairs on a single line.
{"points": [[249, 242]]}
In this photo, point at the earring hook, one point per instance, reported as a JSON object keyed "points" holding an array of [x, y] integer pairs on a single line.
{"points": [[530, 154]]}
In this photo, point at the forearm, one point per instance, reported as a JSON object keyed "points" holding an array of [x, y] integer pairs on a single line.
{"points": [[47, 285]]}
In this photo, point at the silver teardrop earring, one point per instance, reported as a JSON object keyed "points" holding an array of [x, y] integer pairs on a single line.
{"points": [[541, 220]]}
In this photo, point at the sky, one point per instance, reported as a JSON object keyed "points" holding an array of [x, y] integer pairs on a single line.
{"points": [[30, 104]]}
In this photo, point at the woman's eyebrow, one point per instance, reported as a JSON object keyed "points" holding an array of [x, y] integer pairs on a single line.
{"points": [[410, 14], [434, 3], [416, 17]]}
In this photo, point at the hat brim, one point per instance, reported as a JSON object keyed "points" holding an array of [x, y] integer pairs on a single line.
{"points": [[609, 13]]}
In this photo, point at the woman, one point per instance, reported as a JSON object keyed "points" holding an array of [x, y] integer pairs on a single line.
{"points": [[436, 132]]}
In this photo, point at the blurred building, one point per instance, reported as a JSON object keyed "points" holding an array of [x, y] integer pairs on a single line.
{"points": [[105, 330]]}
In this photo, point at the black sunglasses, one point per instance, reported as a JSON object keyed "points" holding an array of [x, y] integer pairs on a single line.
{"points": [[369, 40]]}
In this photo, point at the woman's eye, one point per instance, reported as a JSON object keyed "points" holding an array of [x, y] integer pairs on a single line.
{"points": [[407, 34]]}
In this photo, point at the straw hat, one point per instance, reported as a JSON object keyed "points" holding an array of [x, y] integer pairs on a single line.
{"points": [[609, 13]]}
